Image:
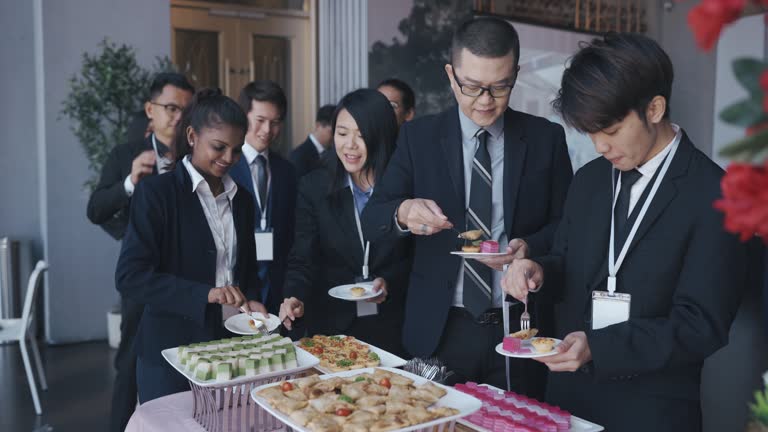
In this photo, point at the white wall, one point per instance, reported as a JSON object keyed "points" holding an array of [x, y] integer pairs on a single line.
{"points": [[42, 199]]}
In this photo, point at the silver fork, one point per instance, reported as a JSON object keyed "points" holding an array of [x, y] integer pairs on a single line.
{"points": [[525, 317]]}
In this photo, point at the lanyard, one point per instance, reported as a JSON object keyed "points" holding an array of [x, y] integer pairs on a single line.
{"points": [[365, 245], [615, 264]]}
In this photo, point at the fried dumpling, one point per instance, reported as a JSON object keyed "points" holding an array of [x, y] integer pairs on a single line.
{"points": [[389, 422], [355, 390], [397, 407], [418, 415], [304, 415], [354, 427], [330, 384], [296, 394], [432, 388], [324, 423], [288, 405]]}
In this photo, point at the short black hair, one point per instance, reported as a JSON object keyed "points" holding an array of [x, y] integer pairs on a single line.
{"points": [[325, 115], [611, 76], [378, 126], [163, 79], [488, 37], [263, 91], [209, 108], [406, 92]]}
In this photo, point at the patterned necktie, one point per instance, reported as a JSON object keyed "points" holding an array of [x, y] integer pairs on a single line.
{"points": [[478, 277], [621, 210], [261, 180]]}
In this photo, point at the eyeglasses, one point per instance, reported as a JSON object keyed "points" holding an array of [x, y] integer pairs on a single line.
{"points": [[472, 90], [170, 109]]}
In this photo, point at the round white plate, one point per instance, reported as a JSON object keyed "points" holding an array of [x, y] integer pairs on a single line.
{"points": [[527, 351], [343, 292], [477, 254], [238, 324]]}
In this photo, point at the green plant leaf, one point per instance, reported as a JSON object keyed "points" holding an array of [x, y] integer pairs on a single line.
{"points": [[747, 149], [745, 113], [748, 71]]}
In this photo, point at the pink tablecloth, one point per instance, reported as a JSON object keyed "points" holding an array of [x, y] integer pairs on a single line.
{"points": [[168, 413]]}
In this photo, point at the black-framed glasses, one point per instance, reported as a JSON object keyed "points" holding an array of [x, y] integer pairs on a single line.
{"points": [[473, 90], [170, 109]]}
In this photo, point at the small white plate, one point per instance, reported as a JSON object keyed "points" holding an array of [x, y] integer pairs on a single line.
{"points": [[342, 292], [238, 324], [527, 350], [477, 254]]}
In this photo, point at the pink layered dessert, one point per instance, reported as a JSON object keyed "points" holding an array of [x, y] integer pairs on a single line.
{"points": [[489, 246], [510, 412], [511, 344]]}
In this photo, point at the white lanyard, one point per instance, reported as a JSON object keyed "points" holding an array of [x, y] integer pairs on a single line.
{"points": [[615, 264], [158, 158], [263, 206], [365, 245]]}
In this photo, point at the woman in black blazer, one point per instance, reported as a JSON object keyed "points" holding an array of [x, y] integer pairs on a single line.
{"points": [[189, 244], [329, 247]]}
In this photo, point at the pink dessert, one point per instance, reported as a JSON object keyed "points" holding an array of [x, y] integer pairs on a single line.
{"points": [[489, 246], [511, 344]]}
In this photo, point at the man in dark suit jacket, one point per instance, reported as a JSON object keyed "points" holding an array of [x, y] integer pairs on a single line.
{"points": [[109, 206], [444, 177], [638, 369], [306, 157], [271, 181]]}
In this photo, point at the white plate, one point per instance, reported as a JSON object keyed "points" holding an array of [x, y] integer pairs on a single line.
{"points": [[342, 292], [304, 359], [577, 424], [388, 360], [477, 254], [527, 346], [465, 403], [238, 324]]}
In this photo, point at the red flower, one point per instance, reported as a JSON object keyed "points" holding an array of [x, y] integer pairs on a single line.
{"points": [[710, 16], [745, 200]]}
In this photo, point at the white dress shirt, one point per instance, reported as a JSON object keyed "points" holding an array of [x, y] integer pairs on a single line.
{"points": [[218, 213], [647, 171], [251, 154], [319, 147], [470, 143]]}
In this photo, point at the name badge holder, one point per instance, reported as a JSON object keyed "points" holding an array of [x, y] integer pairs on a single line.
{"points": [[264, 236], [610, 307], [364, 308]]}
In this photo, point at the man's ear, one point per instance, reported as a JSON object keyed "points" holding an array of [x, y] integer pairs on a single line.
{"points": [[656, 109]]}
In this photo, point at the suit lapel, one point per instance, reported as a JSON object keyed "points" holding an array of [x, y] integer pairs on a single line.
{"points": [[451, 144], [345, 219], [599, 228], [515, 149], [664, 196]]}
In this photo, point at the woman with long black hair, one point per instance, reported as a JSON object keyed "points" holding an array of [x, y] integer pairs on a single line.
{"points": [[329, 246]]}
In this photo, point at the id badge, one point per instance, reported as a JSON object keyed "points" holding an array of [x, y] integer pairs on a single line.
{"points": [[365, 308], [264, 245], [609, 309]]}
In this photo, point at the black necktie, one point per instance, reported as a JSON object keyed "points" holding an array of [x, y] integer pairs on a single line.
{"points": [[478, 278], [621, 211], [261, 180]]}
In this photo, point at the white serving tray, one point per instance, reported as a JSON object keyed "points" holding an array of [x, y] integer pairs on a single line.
{"points": [[577, 424], [465, 403], [388, 360], [303, 358]]}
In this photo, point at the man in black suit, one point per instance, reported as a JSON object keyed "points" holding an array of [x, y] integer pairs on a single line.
{"points": [[402, 98], [271, 181], [650, 232], [306, 157], [478, 165], [109, 205]]}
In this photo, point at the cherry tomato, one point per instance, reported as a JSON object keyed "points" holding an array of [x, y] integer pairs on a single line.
{"points": [[286, 386], [385, 383], [353, 355], [343, 412]]}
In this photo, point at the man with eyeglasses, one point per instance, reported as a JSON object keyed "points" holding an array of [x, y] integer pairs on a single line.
{"points": [[476, 166], [109, 205], [401, 97]]}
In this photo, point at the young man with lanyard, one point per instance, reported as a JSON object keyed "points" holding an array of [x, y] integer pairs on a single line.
{"points": [[271, 180], [647, 280], [109, 206]]}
